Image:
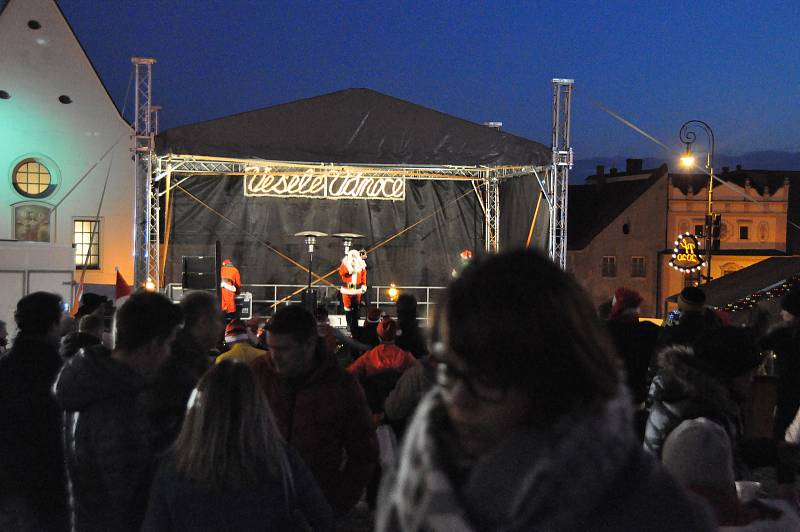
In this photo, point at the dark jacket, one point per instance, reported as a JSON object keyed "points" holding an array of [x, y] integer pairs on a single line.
{"points": [[784, 342], [688, 327], [679, 392], [166, 399], [635, 342], [177, 503], [411, 338], [31, 456], [110, 443], [325, 417], [75, 341]]}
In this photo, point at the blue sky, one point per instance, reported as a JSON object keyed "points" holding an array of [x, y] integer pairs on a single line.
{"points": [[732, 64]]}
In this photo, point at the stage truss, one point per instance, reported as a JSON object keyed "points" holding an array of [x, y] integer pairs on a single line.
{"points": [[176, 169]]}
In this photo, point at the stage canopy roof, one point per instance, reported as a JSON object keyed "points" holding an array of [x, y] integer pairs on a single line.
{"points": [[355, 126]]}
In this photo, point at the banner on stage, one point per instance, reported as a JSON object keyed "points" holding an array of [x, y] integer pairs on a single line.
{"points": [[322, 183]]}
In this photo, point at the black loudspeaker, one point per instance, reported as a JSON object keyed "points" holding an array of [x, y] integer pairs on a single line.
{"points": [[199, 273], [309, 300], [244, 306]]}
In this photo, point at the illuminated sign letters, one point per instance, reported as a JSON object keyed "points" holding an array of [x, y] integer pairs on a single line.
{"points": [[685, 255], [322, 183]]}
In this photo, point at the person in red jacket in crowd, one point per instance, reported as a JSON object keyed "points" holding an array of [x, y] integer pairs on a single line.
{"points": [[231, 283], [353, 271], [383, 357], [320, 409]]}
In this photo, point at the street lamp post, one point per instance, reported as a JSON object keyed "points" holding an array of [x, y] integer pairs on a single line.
{"points": [[687, 160]]}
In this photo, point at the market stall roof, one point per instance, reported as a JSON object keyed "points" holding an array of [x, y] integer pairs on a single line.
{"points": [[356, 126], [739, 285]]}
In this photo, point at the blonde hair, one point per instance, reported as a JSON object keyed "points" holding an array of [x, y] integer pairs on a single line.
{"points": [[229, 439]]}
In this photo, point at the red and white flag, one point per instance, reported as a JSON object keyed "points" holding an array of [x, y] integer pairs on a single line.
{"points": [[122, 290]]}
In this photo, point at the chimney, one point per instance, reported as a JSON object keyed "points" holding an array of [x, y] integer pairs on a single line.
{"points": [[612, 172], [599, 170], [738, 167], [633, 166], [494, 125]]}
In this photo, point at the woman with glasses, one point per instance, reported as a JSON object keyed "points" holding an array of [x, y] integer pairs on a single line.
{"points": [[230, 469], [529, 426]]}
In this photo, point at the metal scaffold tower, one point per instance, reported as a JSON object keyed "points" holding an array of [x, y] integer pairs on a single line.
{"points": [[146, 212], [492, 215], [558, 179]]}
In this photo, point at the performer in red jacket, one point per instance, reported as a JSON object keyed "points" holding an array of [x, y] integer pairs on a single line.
{"points": [[353, 271], [231, 283]]}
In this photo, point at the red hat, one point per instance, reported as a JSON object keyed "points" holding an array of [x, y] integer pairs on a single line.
{"points": [[624, 299], [387, 329], [227, 262], [235, 331]]}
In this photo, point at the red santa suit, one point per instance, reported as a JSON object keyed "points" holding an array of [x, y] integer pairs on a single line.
{"points": [[231, 282], [353, 272]]}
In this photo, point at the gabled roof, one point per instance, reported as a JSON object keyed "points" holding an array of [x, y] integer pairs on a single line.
{"points": [[593, 207], [358, 126], [760, 180], [747, 281]]}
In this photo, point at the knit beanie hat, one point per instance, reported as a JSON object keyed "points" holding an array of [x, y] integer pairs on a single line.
{"points": [[235, 331], [791, 301], [727, 352], [387, 329], [624, 299], [691, 299], [373, 314], [698, 453]]}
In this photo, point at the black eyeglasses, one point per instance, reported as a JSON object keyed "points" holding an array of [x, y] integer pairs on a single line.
{"points": [[480, 387]]}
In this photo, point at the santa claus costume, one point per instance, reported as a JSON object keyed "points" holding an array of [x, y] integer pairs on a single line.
{"points": [[353, 271]]}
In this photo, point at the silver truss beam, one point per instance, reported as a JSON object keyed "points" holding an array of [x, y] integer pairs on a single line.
{"points": [[146, 230], [558, 179], [492, 205]]}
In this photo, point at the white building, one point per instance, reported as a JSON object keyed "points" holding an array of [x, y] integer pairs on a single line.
{"points": [[60, 136]]}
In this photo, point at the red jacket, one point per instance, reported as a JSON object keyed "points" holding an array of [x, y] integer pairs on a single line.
{"points": [[380, 358], [229, 276], [324, 418]]}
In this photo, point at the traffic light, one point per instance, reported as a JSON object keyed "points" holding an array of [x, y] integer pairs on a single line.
{"points": [[714, 223]]}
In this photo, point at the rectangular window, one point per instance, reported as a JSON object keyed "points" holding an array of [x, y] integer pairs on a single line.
{"points": [[638, 267], [87, 245], [744, 232], [609, 266], [698, 230]]}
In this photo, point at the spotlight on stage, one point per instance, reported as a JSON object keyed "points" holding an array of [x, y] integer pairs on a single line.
{"points": [[347, 239], [150, 286], [393, 292]]}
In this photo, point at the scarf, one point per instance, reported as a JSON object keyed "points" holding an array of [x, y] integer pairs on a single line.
{"points": [[535, 479]]}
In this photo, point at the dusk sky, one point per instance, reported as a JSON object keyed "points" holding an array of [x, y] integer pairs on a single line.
{"points": [[732, 64]]}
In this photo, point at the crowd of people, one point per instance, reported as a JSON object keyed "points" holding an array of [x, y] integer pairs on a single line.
{"points": [[521, 408]]}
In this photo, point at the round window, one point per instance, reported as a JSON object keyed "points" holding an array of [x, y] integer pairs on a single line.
{"points": [[32, 179]]}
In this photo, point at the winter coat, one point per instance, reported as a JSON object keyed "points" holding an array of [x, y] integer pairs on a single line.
{"points": [[410, 337], [166, 399], [75, 341], [110, 443], [688, 327], [243, 352], [635, 342], [784, 341], [31, 455], [325, 417], [585, 473], [381, 358], [413, 384], [178, 503], [679, 392]]}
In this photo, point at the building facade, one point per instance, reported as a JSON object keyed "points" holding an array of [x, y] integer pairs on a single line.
{"points": [[65, 158]]}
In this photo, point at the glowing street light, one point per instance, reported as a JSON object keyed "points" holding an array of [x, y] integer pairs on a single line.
{"points": [[688, 160]]}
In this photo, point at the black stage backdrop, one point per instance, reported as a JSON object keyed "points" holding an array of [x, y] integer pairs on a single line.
{"points": [[355, 126], [422, 256]]}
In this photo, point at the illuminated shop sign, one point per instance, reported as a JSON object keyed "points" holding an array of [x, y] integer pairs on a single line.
{"points": [[685, 256], [322, 183]]}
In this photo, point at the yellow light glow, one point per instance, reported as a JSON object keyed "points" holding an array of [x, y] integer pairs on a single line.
{"points": [[393, 292], [687, 160], [150, 286]]}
